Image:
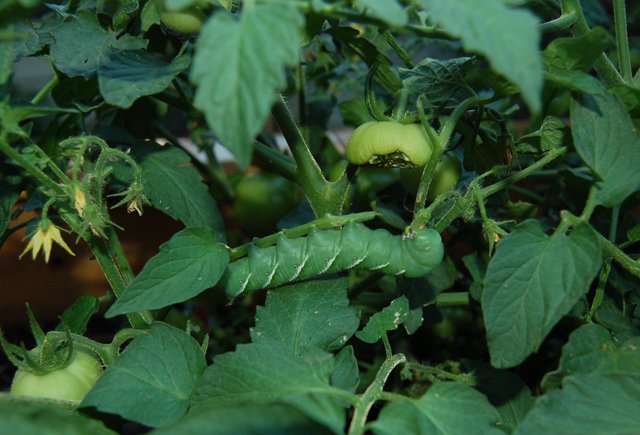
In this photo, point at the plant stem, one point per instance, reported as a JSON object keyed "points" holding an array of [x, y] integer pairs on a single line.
{"points": [[465, 378], [453, 299], [469, 199], [116, 275], [32, 169], [324, 196], [631, 265], [371, 394], [603, 64], [622, 40], [563, 22], [274, 159], [51, 84], [598, 297], [517, 176], [391, 40]]}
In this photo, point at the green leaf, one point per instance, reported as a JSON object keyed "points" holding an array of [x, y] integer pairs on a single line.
{"points": [[574, 80], [354, 112], [447, 408], [591, 348], [77, 316], [608, 142], [577, 52], [189, 263], [80, 43], [633, 235], [511, 397], [11, 183], [149, 16], [388, 11], [247, 419], [125, 76], [345, 370], [386, 320], [548, 137], [616, 319], [594, 403], [269, 372], [314, 313], [532, 281], [152, 380], [6, 63], [174, 187], [43, 417], [507, 37], [237, 77], [438, 79], [385, 75]]}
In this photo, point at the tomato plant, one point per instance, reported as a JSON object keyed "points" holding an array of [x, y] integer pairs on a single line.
{"points": [[364, 281]]}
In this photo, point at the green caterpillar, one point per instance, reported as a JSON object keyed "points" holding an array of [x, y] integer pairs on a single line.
{"points": [[330, 251]]}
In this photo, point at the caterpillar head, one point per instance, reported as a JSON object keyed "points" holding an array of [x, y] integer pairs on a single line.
{"points": [[426, 250]]}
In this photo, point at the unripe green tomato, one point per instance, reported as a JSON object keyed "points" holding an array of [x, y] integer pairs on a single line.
{"points": [[388, 143], [262, 200], [187, 21], [70, 383], [446, 177]]}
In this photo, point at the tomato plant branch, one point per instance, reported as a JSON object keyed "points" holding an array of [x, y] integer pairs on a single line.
{"points": [[603, 64], [28, 166], [275, 160], [469, 198], [50, 85], [622, 40], [391, 40], [524, 173], [631, 265], [430, 168], [563, 22], [370, 395], [435, 374], [324, 196], [453, 299], [327, 221]]}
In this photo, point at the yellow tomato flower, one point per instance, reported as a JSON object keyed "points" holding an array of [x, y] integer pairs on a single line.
{"points": [[79, 201], [44, 237]]}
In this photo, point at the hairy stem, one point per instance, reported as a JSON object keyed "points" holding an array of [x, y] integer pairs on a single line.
{"points": [[622, 40], [371, 394], [324, 196]]}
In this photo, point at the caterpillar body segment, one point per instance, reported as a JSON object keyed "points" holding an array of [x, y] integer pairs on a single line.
{"points": [[330, 251]]}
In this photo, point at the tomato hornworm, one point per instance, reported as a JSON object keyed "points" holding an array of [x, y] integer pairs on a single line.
{"points": [[330, 251]]}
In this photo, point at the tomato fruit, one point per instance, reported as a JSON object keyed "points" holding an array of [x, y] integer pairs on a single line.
{"points": [[187, 21], [70, 383], [388, 143], [446, 177], [262, 200]]}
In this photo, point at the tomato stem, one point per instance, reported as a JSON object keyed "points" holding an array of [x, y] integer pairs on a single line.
{"points": [[371, 394], [622, 40]]}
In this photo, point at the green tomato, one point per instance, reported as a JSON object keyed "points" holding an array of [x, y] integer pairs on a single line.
{"points": [[262, 200], [70, 383], [388, 143], [187, 21], [446, 177]]}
